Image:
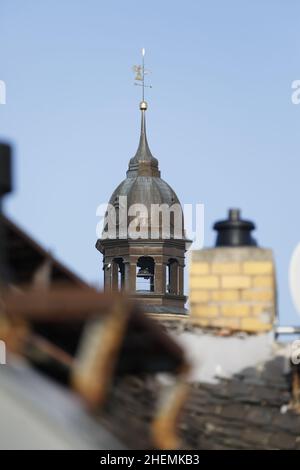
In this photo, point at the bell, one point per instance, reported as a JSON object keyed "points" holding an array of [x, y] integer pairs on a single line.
{"points": [[144, 272]]}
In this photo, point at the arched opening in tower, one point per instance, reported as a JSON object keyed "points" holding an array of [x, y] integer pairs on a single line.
{"points": [[145, 271], [172, 276], [118, 274]]}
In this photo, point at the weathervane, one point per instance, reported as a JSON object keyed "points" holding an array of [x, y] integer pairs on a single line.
{"points": [[140, 73]]}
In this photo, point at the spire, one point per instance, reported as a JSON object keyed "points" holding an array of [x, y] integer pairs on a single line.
{"points": [[143, 152], [143, 163]]}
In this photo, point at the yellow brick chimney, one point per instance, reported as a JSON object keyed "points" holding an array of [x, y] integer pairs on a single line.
{"points": [[233, 286]]}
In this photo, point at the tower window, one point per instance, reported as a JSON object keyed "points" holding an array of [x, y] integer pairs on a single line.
{"points": [[145, 274]]}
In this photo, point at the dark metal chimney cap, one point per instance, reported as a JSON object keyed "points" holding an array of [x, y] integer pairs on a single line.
{"points": [[234, 231]]}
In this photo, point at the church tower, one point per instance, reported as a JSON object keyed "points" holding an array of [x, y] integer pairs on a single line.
{"points": [[145, 254]]}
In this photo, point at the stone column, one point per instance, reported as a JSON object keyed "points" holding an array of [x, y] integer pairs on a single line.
{"points": [[180, 280], [127, 276], [107, 279], [132, 277], [174, 275], [160, 278], [114, 276]]}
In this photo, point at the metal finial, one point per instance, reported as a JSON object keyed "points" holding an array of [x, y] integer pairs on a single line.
{"points": [[140, 73]]}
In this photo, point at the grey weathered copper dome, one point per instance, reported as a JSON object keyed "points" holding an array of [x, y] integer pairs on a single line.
{"points": [[143, 184], [145, 190]]}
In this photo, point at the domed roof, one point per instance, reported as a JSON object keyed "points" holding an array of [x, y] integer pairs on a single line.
{"points": [[143, 184], [145, 190]]}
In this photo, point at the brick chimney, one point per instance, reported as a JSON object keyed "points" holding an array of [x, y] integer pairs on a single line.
{"points": [[233, 285]]}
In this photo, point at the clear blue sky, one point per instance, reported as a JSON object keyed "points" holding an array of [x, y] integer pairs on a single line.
{"points": [[220, 117]]}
